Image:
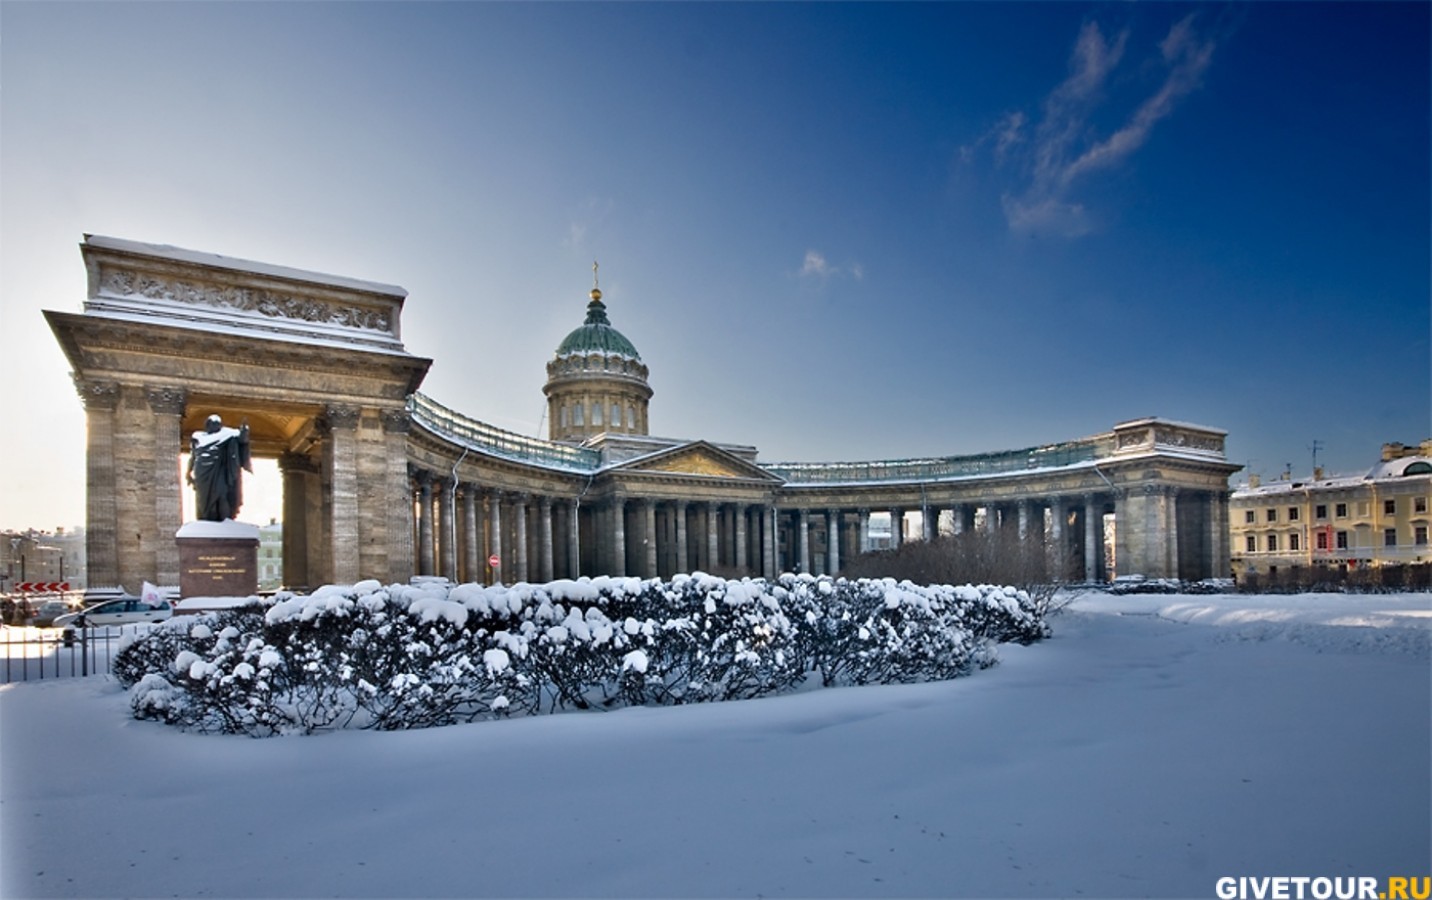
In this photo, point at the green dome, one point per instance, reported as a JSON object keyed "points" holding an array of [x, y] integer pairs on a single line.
{"points": [[597, 336]]}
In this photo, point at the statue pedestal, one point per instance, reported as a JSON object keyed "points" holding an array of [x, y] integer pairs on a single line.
{"points": [[218, 559]]}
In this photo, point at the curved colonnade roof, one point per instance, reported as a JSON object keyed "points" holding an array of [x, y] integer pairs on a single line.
{"points": [[480, 437]]}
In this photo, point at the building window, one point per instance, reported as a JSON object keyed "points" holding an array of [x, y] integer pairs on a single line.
{"points": [[1364, 509], [1251, 543], [1340, 510], [1419, 535], [577, 413], [1249, 517], [566, 416], [617, 414], [1293, 542], [1419, 504], [597, 413], [1320, 511], [1292, 514], [1322, 540], [1389, 507], [1272, 515], [1272, 543], [1342, 540], [1389, 537]]}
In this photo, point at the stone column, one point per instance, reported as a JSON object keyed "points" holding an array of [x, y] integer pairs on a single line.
{"points": [[712, 538], [1218, 550], [101, 518], [618, 511], [426, 550], [1093, 552], [494, 535], [803, 540], [929, 525], [1023, 507], [1171, 566], [545, 566], [742, 568], [519, 538], [864, 514], [574, 539], [471, 562], [991, 518], [168, 406], [1057, 548], [447, 521], [683, 563], [832, 542], [648, 510], [399, 491], [297, 470], [958, 516], [897, 528], [768, 542], [342, 458]]}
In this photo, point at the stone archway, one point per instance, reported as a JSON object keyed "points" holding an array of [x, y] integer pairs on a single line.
{"points": [[314, 362]]}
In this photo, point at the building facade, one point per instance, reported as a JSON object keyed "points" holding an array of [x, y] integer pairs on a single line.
{"points": [[1344, 523], [381, 481]]}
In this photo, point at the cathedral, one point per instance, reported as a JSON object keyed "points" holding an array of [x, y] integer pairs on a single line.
{"points": [[381, 481]]}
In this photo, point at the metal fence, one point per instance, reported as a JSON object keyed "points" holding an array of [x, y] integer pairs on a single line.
{"points": [[37, 654]]}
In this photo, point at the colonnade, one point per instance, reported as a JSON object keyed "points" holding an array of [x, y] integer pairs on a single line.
{"points": [[461, 526]]}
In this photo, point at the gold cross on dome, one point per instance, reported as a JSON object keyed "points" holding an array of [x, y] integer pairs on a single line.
{"points": [[594, 274]]}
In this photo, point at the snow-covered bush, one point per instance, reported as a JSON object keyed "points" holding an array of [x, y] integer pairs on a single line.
{"points": [[412, 656]]}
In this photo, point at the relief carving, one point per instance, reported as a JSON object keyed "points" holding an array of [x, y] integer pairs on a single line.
{"points": [[117, 282]]}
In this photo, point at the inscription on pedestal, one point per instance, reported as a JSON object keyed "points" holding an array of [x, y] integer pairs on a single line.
{"points": [[217, 566]]}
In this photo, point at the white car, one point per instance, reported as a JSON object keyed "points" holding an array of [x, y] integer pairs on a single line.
{"points": [[124, 611]]}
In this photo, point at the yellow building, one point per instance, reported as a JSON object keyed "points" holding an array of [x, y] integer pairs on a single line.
{"points": [[1344, 523]]}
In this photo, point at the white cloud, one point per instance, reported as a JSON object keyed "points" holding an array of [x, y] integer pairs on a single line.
{"points": [[1064, 147], [815, 265]]}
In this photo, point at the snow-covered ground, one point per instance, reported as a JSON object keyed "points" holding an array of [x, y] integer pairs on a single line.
{"points": [[1153, 746]]}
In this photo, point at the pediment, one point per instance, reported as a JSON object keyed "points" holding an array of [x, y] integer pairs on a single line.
{"points": [[698, 458]]}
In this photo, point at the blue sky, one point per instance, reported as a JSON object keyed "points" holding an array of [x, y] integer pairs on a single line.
{"points": [[833, 231]]}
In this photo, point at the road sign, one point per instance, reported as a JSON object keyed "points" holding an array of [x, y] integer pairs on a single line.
{"points": [[42, 587], [494, 561]]}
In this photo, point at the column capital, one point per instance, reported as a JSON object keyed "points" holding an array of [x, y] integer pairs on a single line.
{"points": [[166, 399], [396, 421], [97, 395], [342, 416], [297, 463]]}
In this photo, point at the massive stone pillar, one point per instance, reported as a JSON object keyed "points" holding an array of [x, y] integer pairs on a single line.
{"points": [[713, 547], [168, 406], [545, 565], [1023, 507], [768, 542], [897, 528], [427, 550], [298, 473], [957, 516], [1093, 552], [1170, 518], [397, 497], [683, 562], [742, 568], [618, 513], [447, 523], [494, 536], [471, 559], [1057, 552], [648, 538], [864, 514], [1218, 549], [341, 459], [101, 522], [574, 539], [519, 538], [832, 542], [803, 541]]}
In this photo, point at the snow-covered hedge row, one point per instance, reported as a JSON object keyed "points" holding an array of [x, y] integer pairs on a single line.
{"points": [[411, 656]]}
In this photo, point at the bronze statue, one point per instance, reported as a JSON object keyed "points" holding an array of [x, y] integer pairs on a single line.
{"points": [[215, 456]]}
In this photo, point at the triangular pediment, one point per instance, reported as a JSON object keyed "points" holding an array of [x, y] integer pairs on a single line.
{"points": [[698, 458]]}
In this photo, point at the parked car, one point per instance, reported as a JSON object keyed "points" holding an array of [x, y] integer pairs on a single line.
{"points": [[50, 612], [124, 611]]}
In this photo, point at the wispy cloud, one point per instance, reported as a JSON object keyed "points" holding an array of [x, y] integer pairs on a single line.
{"points": [[816, 266], [1051, 158]]}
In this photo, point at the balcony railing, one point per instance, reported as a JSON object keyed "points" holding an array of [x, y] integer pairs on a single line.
{"points": [[1052, 456], [488, 439]]}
